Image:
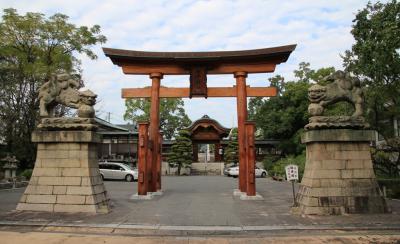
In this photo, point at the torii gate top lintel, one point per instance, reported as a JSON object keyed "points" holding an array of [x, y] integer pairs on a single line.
{"points": [[180, 63]]}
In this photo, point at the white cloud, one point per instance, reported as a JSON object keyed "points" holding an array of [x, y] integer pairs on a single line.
{"points": [[320, 28]]}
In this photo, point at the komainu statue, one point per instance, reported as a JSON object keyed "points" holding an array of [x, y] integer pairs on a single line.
{"points": [[341, 87], [62, 89]]}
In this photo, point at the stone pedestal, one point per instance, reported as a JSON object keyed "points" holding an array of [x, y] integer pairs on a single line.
{"points": [[338, 176], [66, 177]]}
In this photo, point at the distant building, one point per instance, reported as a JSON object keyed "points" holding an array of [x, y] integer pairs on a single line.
{"points": [[119, 142]]}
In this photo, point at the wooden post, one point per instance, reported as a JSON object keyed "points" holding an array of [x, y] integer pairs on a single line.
{"points": [[159, 160], [241, 98], [250, 159], [142, 158], [195, 152], [154, 127]]}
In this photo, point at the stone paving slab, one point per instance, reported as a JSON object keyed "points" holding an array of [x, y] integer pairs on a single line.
{"points": [[198, 201]]}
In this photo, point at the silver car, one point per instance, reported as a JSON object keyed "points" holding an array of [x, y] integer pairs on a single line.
{"points": [[117, 171], [234, 172]]}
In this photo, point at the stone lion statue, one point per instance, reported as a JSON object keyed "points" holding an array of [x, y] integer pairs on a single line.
{"points": [[62, 89], [342, 87]]}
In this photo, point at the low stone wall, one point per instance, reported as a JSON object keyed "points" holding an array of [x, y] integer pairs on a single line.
{"points": [[6, 185], [10, 185], [196, 169], [208, 168]]}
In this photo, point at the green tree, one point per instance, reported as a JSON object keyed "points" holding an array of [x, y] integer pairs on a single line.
{"points": [[284, 116], [375, 58], [181, 154], [231, 154], [172, 114], [32, 47]]}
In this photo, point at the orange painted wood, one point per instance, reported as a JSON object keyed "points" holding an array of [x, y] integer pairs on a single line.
{"points": [[242, 117], [154, 128], [250, 159], [171, 69], [159, 152], [262, 91], [145, 69], [142, 158], [172, 92], [248, 68]]}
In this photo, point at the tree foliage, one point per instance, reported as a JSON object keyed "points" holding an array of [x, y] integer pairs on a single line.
{"points": [[375, 58], [231, 154], [181, 154], [284, 116], [32, 47], [278, 168], [172, 114]]}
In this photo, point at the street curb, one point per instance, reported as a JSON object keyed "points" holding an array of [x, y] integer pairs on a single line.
{"points": [[165, 230]]}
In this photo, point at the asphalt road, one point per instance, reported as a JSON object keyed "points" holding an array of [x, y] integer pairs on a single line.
{"points": [[197, 201]]}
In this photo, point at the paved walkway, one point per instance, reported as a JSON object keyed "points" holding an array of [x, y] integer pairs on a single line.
{"points": [[53, 238], [198, 202]]}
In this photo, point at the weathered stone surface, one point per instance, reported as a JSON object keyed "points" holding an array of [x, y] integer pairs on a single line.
{"points": [[65, 136], [35, 207], [37, 189], [62, 89], [338, 135], [336, 122], [340, 87], [68, 199], [60, 190], [66, 177], [338, 176], [75, 208], [41, 199], [80, 190]]}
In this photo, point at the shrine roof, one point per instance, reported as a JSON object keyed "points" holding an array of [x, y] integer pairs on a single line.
{"points": [[205, 122], [280, 53]]}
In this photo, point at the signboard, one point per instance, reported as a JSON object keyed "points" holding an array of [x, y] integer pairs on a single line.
{"points": [[292, 172]]}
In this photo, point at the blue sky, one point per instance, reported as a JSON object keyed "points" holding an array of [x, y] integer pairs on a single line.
{"points": [[321, 30]]}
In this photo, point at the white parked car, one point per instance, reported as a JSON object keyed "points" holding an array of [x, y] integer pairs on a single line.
{"points": [[118, 171], [261, 172], [234, 172]]}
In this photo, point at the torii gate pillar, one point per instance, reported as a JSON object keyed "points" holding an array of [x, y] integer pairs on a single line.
{"points": [[154, 130], [241, 98]]}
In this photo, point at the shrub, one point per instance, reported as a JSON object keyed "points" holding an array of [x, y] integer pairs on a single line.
{"points": [[278, 168], [27, 173], [392, 187]]}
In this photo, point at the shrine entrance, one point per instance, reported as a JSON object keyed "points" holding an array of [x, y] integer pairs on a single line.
{"points": [[198, 65], [207, 131]]}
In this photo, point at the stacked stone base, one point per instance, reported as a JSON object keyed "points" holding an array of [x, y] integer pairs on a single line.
{"points": [[338, 176], [66, 177]]}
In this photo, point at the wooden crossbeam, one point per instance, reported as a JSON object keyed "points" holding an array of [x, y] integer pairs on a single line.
{"points": [[172, 92]]}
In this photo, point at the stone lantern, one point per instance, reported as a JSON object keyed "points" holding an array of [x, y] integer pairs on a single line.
{"points": [[10, 165]]}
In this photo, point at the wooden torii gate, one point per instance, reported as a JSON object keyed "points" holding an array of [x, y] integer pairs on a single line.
{"points": [[198, 65]]}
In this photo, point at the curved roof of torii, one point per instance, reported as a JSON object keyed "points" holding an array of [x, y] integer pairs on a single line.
{"points": [[205, 122], [217, 62]]}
